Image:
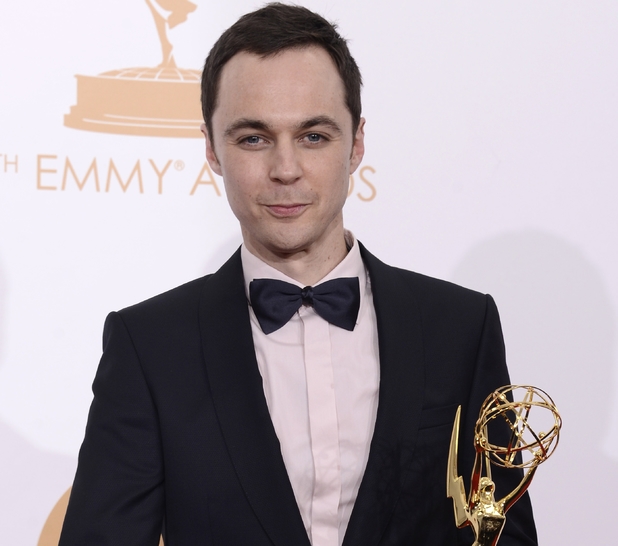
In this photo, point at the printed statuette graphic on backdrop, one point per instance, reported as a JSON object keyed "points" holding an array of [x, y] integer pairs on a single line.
{"points": [[149, 101], [524, 447]]}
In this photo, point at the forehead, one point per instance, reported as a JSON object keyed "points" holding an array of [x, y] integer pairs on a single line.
{"points": [[301, 82]]}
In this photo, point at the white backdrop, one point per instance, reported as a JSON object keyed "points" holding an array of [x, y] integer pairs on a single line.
{"points": [[492, 132]]}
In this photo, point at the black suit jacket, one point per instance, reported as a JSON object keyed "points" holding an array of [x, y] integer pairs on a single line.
{"points": [[179, 436]]}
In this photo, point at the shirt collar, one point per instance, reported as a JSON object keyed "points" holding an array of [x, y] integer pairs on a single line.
{"points": [[351, 266]]}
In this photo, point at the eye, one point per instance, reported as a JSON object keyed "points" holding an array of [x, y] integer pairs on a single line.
{"points": [[315, 138], [252, 140]]}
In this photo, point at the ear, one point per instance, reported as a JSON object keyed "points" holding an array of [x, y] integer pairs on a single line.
{"points": [[211, 156], [358, 146]]}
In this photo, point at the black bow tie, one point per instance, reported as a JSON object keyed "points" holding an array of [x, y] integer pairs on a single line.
{"points": [[274, 302]]}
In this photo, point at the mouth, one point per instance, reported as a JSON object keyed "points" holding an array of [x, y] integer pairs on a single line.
{"points": [[286, 211]]}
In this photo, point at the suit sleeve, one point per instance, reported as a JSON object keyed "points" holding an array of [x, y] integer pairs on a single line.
{"points": [[491, 373], [117, 497]]}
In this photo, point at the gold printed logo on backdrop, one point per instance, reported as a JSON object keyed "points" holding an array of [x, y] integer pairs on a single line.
{"points": [[153, 101]]}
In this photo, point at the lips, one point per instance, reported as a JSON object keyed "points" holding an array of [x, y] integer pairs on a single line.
{"points": [[286, 211]]}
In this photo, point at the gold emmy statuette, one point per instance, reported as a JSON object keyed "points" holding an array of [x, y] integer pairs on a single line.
{"points": [[163, 100], [526, 449]]}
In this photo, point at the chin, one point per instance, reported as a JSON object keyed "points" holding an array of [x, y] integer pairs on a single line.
{"points": [[288, 245]]}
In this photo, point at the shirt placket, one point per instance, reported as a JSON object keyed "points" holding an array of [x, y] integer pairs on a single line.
{"points": [[324, 429]]}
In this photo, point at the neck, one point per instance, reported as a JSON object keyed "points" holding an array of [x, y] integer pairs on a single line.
{"points": [[307, 266]]}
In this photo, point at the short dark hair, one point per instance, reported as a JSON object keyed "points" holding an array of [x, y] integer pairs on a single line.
{"points": [[270, 30]]}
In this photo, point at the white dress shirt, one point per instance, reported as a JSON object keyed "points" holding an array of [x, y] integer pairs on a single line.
{"points": [[321, 386]]}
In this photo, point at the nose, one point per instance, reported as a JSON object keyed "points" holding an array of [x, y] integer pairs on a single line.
{"points": [[286, 165]]}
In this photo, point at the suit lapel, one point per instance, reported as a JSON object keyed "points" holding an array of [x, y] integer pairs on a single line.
{"points": [[238, 397], [399, 407]]}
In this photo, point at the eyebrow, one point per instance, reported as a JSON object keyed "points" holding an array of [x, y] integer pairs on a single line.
{"points": [[246, 123], [259, 125], [321, 120]]}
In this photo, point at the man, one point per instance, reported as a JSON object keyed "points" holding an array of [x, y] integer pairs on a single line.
{"points": [[217, 421]]}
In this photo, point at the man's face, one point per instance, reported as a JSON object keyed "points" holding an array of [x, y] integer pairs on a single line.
{"points": [[282, 140]]}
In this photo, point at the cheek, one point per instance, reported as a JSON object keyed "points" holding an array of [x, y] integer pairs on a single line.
{"points": [[241, 195], [342, 184], [233, 191], [330, 178]]}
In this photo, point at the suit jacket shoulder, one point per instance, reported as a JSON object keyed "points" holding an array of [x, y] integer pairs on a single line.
{"points": [[427, 291]]}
